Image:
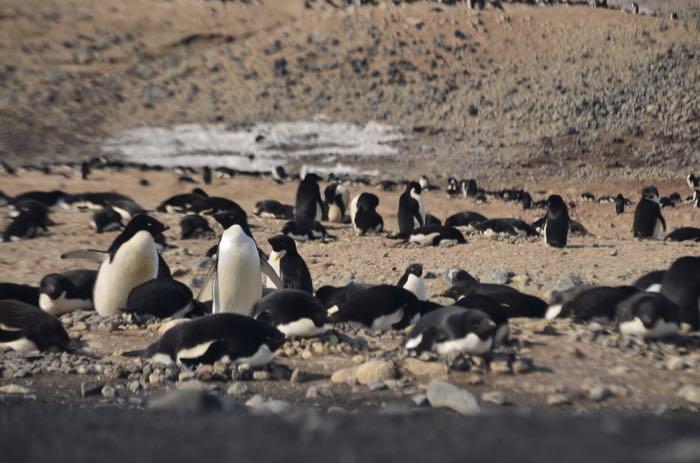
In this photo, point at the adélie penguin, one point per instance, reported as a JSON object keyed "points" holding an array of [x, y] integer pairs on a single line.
{"points": [[131, 259], [556, 227], [26, 328], [237, 282], [225, 337], [452, 330], [337, 198], [363, 214], [309, 205], [65, 292], [162, 298], [647, 315], [289, 265], [379, 308], [411, 209], [412, 280], [648, 221], [681, 285], [19, 292], [295, 313]]}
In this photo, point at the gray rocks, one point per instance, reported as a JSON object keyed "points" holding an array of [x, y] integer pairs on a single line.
{"points": [[445, 395], [238, 390], [494, 397], [599, 393], [676, 364], [186, 401], [259, 404], [90, 388], [558, 399], [108, 392], [372, 371], [497, 276], [690, 392]]}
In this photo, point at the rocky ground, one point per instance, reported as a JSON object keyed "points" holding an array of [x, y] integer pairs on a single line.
{"points": [[548, 366], [524, 91]]}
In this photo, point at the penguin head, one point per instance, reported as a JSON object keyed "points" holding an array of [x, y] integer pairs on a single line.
{"points": [[479, 323], [414, 187], [367, 201], [229, 218], [556, 204], [53, 285], [650, 193], [329, 193], [271, 336], [460, 289], [200, 192], [143, 222], [455, 276], [415, 269], [311, 178], [282, 243]]}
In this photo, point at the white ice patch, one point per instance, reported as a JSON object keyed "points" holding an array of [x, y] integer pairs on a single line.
{"points": [[214, 144]]}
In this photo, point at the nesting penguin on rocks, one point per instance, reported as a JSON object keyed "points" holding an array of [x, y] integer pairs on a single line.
{"points": [[66, 292], [295, 313]]}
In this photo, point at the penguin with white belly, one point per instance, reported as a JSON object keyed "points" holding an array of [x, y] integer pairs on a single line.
{"points": [[26, 328], [412, 280], [295, 313], [132, 259], [237, 283], [289, 265]]}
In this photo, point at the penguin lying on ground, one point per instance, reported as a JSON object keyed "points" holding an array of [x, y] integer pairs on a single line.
{"points": [[194, 226], [436, 235], [464, 219], [106, 220], [597, 303], [452, 330], [225, 337], [650, 281], [65, 292], [301, 230], [647, 315], [513, 227], [162, 298], [295, 313], [684, 234], [182, 202], [270, 208], [23, 227], [24, 293], [25, 328], [681, 285]]}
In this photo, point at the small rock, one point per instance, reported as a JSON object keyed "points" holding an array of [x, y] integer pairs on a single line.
{"points": [[315, 392], [676, 364], [494, 397], [261, 375], [238, 390], [690, 392], [523, 365], [377, 386], [558, 400], [186, 401], [446, 395], [14, 389], [420, 368], [108, 392], [88, 388], [298, 376], [599, 393], [259, 404], [497, 276], [500, 367]]}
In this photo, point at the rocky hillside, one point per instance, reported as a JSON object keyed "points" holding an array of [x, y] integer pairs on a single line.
{"points": [[557, 89]]}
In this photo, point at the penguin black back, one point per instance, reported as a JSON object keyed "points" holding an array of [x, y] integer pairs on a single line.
{"points": [[21, 321], [23, 293], [556, 227], [681, 285], [292, 268], [140, 222], [309, 205], [648, 220], [409, 209]]}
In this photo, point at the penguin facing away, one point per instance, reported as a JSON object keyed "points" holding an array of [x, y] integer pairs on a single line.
{"points": [[379, 308], [337, 199], [295, 313], [556, 227], [363, 214], [648, 221], [681, 285], [224, 337], [412, 280], [131, 259], [289, 265], [309, 205]]}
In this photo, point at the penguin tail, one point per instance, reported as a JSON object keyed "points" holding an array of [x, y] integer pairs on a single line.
{"points": [[135, 353], [397, 236]]}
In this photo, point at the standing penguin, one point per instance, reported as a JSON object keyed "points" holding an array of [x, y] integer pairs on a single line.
{"points": [[206, 175], [132, 259], [412, 280], [236, 273], [556, 227], [309, 205], [619, 204], [337, 198], [648, 221], [289, 265], [411, 209]]}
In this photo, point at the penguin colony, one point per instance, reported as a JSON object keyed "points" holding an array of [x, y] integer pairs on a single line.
{"points": [[238, 317]]}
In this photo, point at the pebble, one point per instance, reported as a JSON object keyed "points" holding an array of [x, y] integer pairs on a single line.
{"points": [[15, 389], [421, 400], [315, 392], [494, 397], [374, 370], [676, 364], [599, 393], [523, 365], [276, 407], [500, 367], [446, 395], [558, 399], [89, 388], [238, 389], [690, 392], [108, 392], [497, 276]]}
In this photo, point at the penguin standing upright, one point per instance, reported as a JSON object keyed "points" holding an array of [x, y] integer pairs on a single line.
{"points": [[206, 175], [131, 259], [619, 204], [337, 198], [289, 265], [648, 221], [556, 227], [237, 283], [412, 280], [309, 205], [411, 209]]}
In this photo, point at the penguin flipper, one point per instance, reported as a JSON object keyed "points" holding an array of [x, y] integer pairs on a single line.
{"points": [[268, 271], [92, 255], [10, 336], [134, 353]]}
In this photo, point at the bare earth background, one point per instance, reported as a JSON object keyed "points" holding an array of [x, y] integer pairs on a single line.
{"points": [[558, 99]]}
